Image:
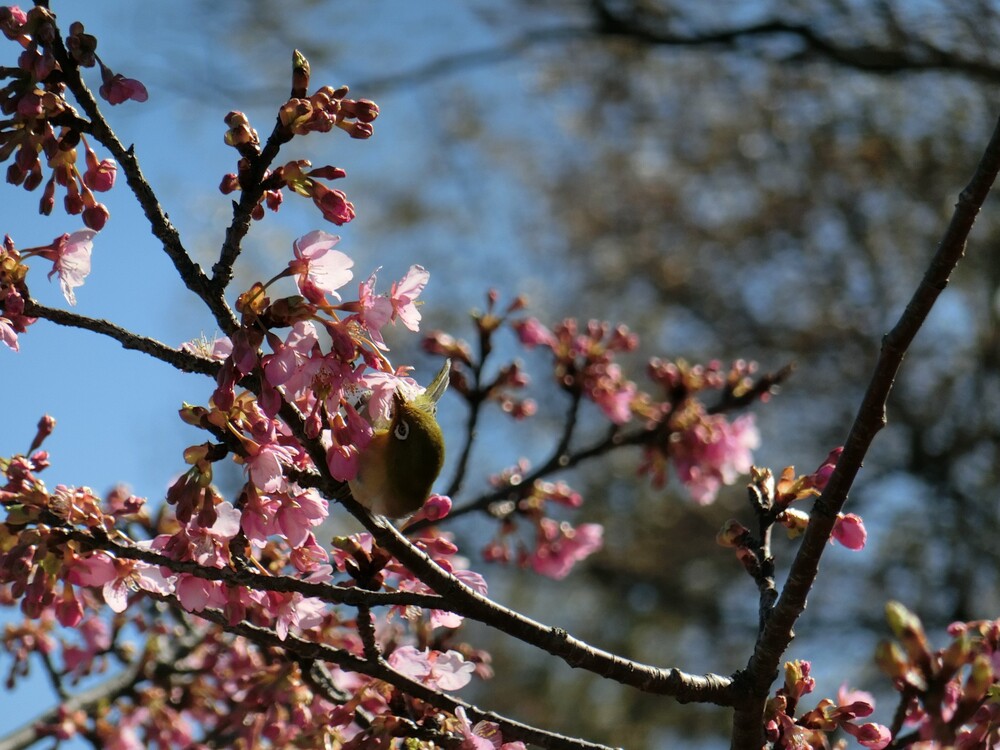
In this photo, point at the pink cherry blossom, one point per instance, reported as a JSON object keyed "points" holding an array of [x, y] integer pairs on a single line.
{"points": [[69, 609], [611, 391], [196, 593], [819, 478], [8, 335], [217, 349], [870, 735], [131, 575], [347, 438], [209, 545], [117, 88], [560, 546], [532, 333], [436, 508], [446, 670], [714, 453], [298, 513], [96, 635], [293, 610], [411, 662], [441, 618], [374, 311], [70, 256], [850, 531], [318, 268], [265, 464], [291, 359], [404, 294], [100, 175], [485, 735], [332, 203], [95, 570]]}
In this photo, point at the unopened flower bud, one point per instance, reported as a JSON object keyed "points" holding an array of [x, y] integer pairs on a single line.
{"points": [[300, 75], [907, 627], [81, 46], [230, 183], [96, 216], [45, 426], [732, 534]]}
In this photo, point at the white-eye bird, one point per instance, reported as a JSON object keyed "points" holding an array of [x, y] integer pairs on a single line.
{"points": [[397, 469]]}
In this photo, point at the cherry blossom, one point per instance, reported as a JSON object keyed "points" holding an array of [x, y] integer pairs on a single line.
{"points": [[713, 453], [560, 546], [319, 269], [445, 670], [117, 89], [404, 294], [70, 256], [849, 530]]}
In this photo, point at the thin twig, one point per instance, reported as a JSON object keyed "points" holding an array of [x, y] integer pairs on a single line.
{"points": [[180, 359], [160, 225]]}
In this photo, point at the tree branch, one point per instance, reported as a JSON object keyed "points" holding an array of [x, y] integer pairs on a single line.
{"points": [[311, 650], [190, 272], [871, 417], [179, 359]]}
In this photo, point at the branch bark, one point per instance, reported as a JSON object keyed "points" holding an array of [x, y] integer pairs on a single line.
{"points": [[777, 634]]}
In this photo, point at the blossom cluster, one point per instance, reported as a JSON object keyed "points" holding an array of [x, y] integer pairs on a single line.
{"points": [[321, 112], [950, 697], [52, 563], [811, 729], [556, 546], [42, 123], [772, 501], [70, 258], [707, 449]]}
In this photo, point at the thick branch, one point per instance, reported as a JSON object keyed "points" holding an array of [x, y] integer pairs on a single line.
{"points": [[763, 666], [709, 688], [327, 592]]}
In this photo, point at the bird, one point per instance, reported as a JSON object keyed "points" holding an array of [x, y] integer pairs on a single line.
{"points": [[397, 469]]}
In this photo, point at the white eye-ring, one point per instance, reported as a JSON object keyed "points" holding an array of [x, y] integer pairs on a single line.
{"points": [[402, 430]]}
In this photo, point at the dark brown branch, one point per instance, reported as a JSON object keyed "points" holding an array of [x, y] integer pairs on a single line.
{"points": [[222, 271], [179, 359], [330, 593], [871, 417], [190, 272], [709, 688], [310, 650]]}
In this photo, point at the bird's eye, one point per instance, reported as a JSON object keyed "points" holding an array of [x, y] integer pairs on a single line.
{"points": [[402, 430]]}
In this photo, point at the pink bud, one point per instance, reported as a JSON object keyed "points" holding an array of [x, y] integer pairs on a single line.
{"points": [[849, 530]]}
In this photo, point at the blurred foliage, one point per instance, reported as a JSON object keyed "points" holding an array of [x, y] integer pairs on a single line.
{"points": [[761, 180]]}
